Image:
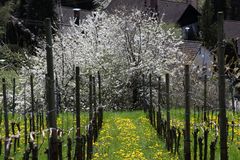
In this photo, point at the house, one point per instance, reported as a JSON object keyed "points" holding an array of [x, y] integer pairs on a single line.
{"points": [[232, 31], [232, 19], [185, 15], [204, 57], [191, 48]]}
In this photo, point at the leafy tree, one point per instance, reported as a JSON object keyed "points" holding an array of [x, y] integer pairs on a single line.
{"points": [[38, 11], [5, 13], [221, 5], [12, 60], [20, 11], [207, 25], [2, 2], [122, 47]]}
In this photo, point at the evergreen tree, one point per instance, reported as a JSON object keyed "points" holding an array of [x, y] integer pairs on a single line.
{"points": [[5, 14], [221, 5], [85, 4], [21, 9], [2, 2], [38, 10], [208, 25]]}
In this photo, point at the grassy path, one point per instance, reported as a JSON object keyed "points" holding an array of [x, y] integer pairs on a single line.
{"points": [[129, 136]]}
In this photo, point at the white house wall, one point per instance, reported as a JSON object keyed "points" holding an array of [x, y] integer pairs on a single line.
{"points": [[204, 58]]}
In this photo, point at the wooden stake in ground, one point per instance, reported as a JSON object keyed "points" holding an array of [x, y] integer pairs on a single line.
{"points": [[25, 120], [32, 127], [100, 108], [150, 109], [187, 143], [168, 111], [221, 93], [99, 90], [205, 95], [14, 94], [159, 117], [95, 115], [168, 101], [206, 144], [7, 143], [90, 98], [52, 123], [144, 94], [77, 94], [94, 94]]}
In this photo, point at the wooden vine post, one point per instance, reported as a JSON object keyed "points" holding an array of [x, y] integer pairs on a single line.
{"points": [[168, 111], [90, 98], [150, 109], [100, 108], [95, 116], [77, 95], [52, 123], [32, 127], [94, 94], [144, 94], [206, 144], [205, 95], [159, 117], [99, 89], [90, 126], [7, 143], [14, 97], [25, 120], [33, 147], [221, 87], [187, 142]]}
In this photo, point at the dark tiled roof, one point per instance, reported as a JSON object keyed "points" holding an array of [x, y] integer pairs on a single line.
{"points": [[190, 48], [232, 30], [172, 10]]}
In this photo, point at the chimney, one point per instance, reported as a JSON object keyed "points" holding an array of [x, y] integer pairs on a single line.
{"points": [[194, 3], [145, 4], [76, 15], [154, 5]]}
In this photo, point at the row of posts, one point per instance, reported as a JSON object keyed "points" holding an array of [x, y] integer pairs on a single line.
{"points": [[95, 123], [173, 134], [54, 151], [95, 114]]}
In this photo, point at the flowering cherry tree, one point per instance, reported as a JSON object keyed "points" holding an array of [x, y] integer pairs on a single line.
{"points": [[122, 47]]}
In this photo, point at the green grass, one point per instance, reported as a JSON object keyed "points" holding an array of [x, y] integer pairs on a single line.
{"points": [[129, 136], [8, 75], [66, 121], [125, 136], [177, 116]]}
